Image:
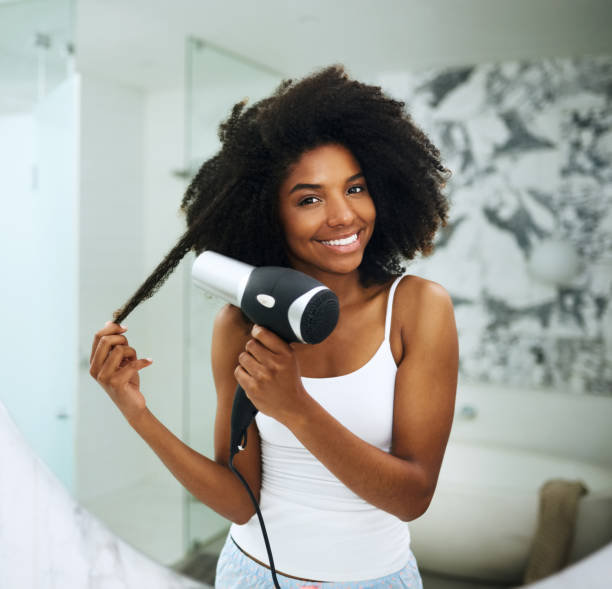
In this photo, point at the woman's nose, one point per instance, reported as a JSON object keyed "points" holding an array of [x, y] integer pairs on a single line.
{"points": [[340, 211]]}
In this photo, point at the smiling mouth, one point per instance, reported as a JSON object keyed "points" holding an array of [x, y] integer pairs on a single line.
{"points": [[344, 241]]}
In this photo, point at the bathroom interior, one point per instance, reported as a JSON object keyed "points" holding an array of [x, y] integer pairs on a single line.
{"points": [[108, 108]]}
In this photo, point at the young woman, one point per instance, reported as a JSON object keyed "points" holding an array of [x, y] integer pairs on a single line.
{"points": [[331, 177]]}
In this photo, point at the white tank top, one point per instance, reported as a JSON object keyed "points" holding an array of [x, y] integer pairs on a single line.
{"points": [[318, 528]]}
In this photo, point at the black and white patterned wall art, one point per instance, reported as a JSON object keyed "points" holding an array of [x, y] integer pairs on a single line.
{"points": [[530, 148]]}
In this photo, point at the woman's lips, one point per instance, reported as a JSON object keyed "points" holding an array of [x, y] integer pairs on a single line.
{"points": [[354, 243]]}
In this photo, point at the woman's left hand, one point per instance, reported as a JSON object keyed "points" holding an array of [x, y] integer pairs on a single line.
{"points": [[269, 373]]}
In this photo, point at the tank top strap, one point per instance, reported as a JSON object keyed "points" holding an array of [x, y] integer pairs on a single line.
{"points": [[390, 307]]}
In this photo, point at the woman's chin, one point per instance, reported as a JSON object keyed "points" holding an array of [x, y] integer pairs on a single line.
{"points": [[345, 266], [329, 263]]}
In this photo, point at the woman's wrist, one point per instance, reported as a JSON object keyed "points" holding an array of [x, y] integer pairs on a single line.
{"points": [[137, 418], [300, 411]]}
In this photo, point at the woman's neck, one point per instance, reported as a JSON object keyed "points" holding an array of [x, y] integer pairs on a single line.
{"points": [[347, 287]]}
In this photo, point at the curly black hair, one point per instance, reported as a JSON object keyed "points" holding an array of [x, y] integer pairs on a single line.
{"points": [[238, 187]]}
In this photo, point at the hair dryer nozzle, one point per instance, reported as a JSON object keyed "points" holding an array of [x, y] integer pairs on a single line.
{"points": [[320, 317]]}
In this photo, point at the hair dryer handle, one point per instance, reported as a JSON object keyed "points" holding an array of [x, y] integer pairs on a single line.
{"points": [[243, 412]]}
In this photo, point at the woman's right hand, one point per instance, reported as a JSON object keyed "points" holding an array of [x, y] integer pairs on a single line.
{"points": [[114, 365]]}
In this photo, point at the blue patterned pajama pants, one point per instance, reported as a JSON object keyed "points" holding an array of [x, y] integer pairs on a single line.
{"points": [[235, 570]]}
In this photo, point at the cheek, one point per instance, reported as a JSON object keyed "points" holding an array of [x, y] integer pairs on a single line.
{"points": [[299, 224], [289, 227], [368, 210], [295, 231], [285, 223]]}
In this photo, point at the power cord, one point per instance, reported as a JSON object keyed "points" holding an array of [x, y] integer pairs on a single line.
{"points": [[259, 516]]}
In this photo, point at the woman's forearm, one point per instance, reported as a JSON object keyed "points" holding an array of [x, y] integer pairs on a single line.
{"points": [[211, 483]]}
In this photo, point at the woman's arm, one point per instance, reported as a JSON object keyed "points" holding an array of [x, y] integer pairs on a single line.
{"points": [[402, 482], [114, 365]]}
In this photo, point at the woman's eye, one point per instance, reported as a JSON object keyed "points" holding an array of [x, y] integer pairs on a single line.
{"points": [[308, 200], [361, 189]]}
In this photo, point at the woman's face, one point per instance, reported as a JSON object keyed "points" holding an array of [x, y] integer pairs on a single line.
{"points": [[326, 211]]}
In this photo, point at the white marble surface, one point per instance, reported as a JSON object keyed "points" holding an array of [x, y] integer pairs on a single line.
{"points": [[49, 541]]}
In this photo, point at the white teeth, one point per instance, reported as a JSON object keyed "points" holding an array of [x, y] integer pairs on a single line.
{"points": [[344, 241]]}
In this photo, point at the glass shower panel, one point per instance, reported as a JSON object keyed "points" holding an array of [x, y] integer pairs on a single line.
{"points": [[38, 226], [216, 80]]}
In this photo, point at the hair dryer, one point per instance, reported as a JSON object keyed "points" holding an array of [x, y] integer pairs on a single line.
{"points": [[293, 305]]}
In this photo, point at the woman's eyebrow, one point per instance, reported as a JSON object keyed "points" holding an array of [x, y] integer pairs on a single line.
{"points": [[316, 186]]}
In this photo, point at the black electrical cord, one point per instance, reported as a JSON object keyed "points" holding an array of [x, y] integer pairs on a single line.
{"points": [[259, 516]]}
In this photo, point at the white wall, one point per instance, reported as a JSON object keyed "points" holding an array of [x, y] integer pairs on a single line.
{"points": [[163, 120], [553, 422], [176, 335], [164, 312], [109, 454], [131, 142]]}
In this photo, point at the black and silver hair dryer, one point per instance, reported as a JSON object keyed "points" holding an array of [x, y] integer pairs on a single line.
{"points": [[293, 305]]}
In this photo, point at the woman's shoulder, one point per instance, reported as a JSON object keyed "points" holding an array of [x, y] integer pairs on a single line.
{"points": [[418, 297], [231, 328], [231, 316], [411, 285], [421, 307]]}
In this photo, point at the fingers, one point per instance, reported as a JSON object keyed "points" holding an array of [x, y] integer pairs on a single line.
{"points": [[121, 365], [249, 364], [113, 362], [257, 358], [106, 344], [270, 340], [109, 329], [257, 350], [244, 379], [263, 352], [128, 370]]}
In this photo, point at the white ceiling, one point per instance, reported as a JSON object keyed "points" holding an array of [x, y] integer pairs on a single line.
{"points": [[142, 42]]}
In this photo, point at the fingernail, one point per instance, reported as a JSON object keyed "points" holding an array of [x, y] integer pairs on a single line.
{"points": [[149, 359], [123, 327], [256, 330]]}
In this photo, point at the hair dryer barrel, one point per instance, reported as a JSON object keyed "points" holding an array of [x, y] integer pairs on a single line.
{"points": [[221, 276]]}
